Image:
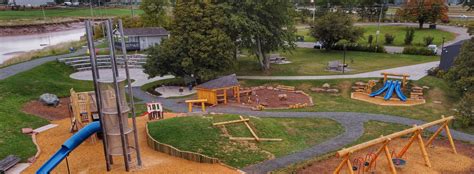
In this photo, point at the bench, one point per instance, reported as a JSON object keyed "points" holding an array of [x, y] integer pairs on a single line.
{"points": [[8, 163], [191, 102]]}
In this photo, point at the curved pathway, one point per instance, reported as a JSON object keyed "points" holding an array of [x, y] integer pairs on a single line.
{"points": [[352, 122]]}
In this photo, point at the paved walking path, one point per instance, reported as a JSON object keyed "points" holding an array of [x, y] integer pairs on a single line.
{"points": [[137, 74], [25, 66], [351, 121], [416, 72]]}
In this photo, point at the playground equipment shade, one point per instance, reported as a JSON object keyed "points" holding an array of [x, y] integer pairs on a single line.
{"points": [[381, 90], [69, 146]]}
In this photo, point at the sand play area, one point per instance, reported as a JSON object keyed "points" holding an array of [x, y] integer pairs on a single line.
{"points": [[442, 158], [89, 156]]}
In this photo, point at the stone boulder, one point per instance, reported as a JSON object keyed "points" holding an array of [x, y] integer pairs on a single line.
{"points": [[49, 99], [326, 85]]}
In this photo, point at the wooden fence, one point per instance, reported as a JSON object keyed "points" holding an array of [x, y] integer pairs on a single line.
{"points": [[170, 150]]}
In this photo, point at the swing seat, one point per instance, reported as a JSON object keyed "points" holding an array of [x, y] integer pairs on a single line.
{"points": [[399, 163]]}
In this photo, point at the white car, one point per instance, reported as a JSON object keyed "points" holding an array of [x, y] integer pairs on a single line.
{"points": [[318, 45], [433, 48]]}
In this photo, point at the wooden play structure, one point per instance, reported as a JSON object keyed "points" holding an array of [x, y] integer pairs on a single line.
{"points": [[364, 91], [191, 103], [82, 107], [154, 111], [216, 91], [394, 158], [246, 121]]}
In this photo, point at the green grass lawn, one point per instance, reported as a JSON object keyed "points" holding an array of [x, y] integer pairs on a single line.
{"points": [[198, 135], [397, 31], [439, 91], [15, 91], [65, 12], [308, 61]]}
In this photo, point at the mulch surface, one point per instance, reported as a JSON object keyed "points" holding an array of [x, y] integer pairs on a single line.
{"points": [[37, 108], [270, 98], [442, 159]]}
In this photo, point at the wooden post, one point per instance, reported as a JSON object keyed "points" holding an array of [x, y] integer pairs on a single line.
{"points": [[448, 133], [230, 122], [349, 166], [389, 159], [423, 149], [407, 146], [238, 94], [372, 161], [435, 134], [190, 107], [203, 107], [225, 96]]}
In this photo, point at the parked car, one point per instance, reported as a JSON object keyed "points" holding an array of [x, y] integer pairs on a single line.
{"points": [[318, 45], [67, 3], [433, 48]]}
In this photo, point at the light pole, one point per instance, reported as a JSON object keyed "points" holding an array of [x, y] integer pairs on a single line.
{"points": [[314, 9], [378, 28], [442, 47], [344, 60]]}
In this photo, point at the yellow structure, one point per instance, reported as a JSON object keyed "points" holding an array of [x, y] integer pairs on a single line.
{"points": [[82, 107], [191, 102], [216, 90]]}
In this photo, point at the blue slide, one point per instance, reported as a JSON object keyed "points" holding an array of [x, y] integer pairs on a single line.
{"points": [[69, 146], [399, 92], [389, 93], [381, 90]]}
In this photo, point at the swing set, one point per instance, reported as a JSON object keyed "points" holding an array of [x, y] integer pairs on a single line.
{"points": [[394, 159]]}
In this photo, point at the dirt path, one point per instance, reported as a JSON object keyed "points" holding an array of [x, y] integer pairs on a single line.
{"points": [[89, 157]]}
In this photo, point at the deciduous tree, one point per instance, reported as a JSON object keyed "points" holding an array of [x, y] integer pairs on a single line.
{"points": [[333, 27], [154, 13], [424, 11], [198, 45]]}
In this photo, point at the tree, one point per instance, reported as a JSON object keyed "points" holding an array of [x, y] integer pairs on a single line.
{"points": [[461, 74], [469, 4], [465, 110], [333, 27], [262, 26], [154, 13], [370, 9], [198, 46], [424, 11]]}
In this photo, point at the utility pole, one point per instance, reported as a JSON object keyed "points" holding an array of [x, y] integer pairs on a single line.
{"points": [[131, 8], [90, 7], [314, 9], [378, 28], [344, 60]]}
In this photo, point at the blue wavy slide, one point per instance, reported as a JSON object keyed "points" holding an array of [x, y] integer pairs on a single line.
{"points": [[389, 93], [399, 92], [381, 90], [69, 146]]}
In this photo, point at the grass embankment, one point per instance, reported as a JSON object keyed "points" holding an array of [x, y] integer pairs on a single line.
{"points": [[373, 129], [198, 135], [397, 31], [58, 49], [52, 78], [307, 61], [439, 91]]}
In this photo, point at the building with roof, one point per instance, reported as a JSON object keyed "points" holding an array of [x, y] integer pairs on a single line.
{"points": [[141, 38], [449, 55], [30, 3], [218, 90]]}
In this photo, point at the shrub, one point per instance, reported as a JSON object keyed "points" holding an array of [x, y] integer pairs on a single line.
{"points": [[436, 72], [428, 40], [465, 110], [418, 51], [370, 39], [360, 47], [389, 38], [409, 35]]}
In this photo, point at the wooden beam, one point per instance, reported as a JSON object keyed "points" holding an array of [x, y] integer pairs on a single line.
{"points": [[367, 144], [252, 138], [407, 146], [435, 134], [349, 166], [448, 133], [389, 159], [230, 122], [250, 129], [423, 149], [339, 167]]}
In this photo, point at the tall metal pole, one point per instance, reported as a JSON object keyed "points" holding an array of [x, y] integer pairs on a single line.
{"points": [[130, 93], [95, 76], [378, 28], [118, 101], [344, 60], [131, 8], [90, 8], [314, 9]]}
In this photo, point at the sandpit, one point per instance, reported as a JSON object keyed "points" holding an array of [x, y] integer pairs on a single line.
{"points": [[379, 100], [270, 99], [442, 158], [89, 157]]}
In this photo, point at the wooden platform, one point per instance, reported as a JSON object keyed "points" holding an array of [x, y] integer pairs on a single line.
{"points": [[378, 100]]}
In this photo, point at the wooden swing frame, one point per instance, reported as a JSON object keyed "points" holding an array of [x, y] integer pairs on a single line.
{"points": [[384, 141]]}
